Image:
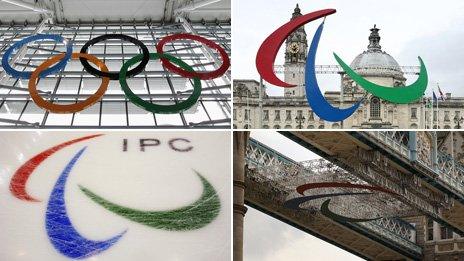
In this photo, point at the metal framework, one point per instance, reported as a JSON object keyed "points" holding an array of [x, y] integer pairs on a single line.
{"points": [[337, 69], [284, 174], [155, 84], [448, 170]]}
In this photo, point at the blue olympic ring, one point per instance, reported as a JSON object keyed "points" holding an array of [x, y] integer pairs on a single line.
{"points": [[38, 37]]}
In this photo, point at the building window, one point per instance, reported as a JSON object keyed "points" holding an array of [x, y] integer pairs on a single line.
{"points": [[429, 229], [277, 116], [288, 127], [413, 113], [293, 75], [288, 116], [266, 115], [276, 126], [321, 126], [246, 126], [235, 114], [445, 232], [434, 116], [265, 126], [375, 107], [311, 115], [247, 115], [447, 116]]}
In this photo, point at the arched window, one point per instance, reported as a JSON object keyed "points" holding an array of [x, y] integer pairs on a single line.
{"points": [[288, 127], [276, 126], [335, 126], [246, 126], [447, 127], [265, 126], [321, 126], [311, 127], [413, 126], [375, 107]]}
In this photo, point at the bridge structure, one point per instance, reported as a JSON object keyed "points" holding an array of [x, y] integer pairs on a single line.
{"points": [[425, 180]]}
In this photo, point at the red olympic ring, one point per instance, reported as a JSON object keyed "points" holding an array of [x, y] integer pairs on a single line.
{"points": [[267, 52], [203, 76]]}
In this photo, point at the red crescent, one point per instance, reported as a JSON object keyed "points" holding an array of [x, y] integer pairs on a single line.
{"points": [[267, 53], [19, 179], [301, 189]]}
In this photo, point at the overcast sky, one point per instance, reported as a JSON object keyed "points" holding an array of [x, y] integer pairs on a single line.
{"points": [[430, 29], [268, 239]]}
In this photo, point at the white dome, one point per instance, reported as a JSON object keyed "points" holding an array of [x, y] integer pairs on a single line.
{"points": [[374, 59], [376, 63]]}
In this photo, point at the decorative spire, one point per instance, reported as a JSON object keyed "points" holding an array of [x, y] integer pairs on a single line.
{"points": [[296, 11], [374, 39]]}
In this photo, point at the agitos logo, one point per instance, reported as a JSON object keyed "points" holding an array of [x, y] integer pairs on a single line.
{"points": [[170, 62], [69, 242], [295, 203], [267, 53]]}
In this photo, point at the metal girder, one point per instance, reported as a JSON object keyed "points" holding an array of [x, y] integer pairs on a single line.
{"points": [[28, 6], [337, 69], [270, 167], [372, 160], [211, 111], [267, 198], [194, 5]]}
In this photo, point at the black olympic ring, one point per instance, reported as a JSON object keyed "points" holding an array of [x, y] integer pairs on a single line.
{"points": [[115, 75]]}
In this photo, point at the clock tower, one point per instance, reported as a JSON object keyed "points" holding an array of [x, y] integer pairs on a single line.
{"points": [[296, 47]]}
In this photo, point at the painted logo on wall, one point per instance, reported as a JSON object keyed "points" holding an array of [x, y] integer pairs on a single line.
{"points": [[325, 210], [64, 236], [267, 53], [171, 63]]}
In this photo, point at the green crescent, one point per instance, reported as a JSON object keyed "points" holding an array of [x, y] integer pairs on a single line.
{"points": [[399, 95], [194, 216]]}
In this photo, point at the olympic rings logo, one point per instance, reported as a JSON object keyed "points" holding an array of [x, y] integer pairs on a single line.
{"points": [[170, 62], [267, 53], [69, 242], [296, 202]]}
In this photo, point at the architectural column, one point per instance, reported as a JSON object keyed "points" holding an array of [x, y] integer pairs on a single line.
{"points": [[412, 145], [434, 151], [436, 231], [240, 143]]}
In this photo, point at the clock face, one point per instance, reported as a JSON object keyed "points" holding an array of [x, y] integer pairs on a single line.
{"points": [[294, 48]]}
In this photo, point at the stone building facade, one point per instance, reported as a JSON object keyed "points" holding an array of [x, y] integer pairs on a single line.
{"points": [[253, 108], [439, 242]]}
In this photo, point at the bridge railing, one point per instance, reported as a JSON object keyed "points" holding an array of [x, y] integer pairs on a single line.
{"points": [[395, 140], [451, 171], [285, 174], [448, 170]]}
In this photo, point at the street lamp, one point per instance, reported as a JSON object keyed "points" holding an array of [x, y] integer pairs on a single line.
{"points": [[300, 119], [458, 120]]}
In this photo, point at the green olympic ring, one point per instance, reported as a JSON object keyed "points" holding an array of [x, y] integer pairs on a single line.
{"points": [[156, 108]]}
